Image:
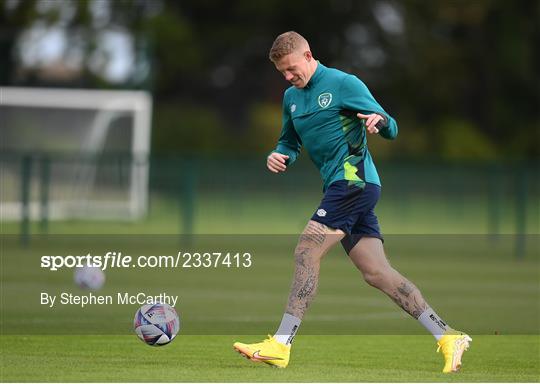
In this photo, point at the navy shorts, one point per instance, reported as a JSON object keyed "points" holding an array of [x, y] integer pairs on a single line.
{"points": [[351, 209]]}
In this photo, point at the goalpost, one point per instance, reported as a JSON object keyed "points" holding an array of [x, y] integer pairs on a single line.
{"points": [[73, 153]]}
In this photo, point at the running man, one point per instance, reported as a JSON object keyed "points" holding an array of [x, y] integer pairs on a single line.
{"points": [[330, 112]]}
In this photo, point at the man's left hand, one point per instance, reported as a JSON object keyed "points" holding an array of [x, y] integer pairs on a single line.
{"points": [[371, 121]]}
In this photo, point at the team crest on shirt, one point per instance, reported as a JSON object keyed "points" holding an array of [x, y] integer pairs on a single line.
{"points": [[293, 108], [325, 99]]}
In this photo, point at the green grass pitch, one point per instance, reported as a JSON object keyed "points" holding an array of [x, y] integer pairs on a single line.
{"points": [[315, 358], [351, 333]]}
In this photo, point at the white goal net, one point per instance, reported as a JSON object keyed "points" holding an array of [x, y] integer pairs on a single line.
{"points": [[70, 153]]}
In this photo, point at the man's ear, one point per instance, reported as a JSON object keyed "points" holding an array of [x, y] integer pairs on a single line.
{"points": [[308, 55]]}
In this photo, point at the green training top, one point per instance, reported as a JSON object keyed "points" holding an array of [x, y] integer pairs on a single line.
{"points": [[322, 117]]}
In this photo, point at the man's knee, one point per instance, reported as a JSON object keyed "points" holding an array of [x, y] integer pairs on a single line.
{"points": [[303, 254], [373, 278], [377, 277]]}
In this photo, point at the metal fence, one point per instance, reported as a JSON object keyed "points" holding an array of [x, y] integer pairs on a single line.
{"points": [[203, 192]]}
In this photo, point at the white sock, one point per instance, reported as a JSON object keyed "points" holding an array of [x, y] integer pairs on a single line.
{"points": [[433, 323], [287, 329]]}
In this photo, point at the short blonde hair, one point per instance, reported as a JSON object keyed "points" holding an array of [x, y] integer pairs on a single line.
{"points": [[285, 44]]}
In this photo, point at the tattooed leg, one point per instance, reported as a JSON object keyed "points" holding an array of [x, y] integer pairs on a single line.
{"points": [[406, 295], [304, 286], [315, 241], [368, 256]]}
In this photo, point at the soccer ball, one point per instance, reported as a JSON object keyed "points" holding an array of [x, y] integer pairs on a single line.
{"points": [[91, 278], [156, 324]]}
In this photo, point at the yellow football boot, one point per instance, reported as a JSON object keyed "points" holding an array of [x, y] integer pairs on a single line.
{"points": [[453, 344], [269, 351]]}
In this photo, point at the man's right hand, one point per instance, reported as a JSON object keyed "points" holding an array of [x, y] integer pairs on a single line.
{"points": [[276, 162]]}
